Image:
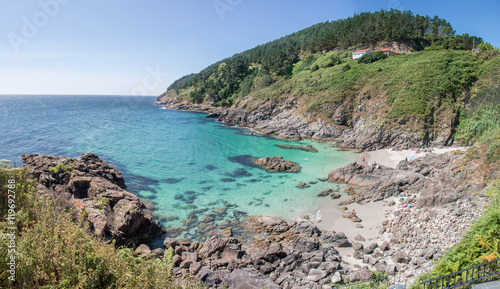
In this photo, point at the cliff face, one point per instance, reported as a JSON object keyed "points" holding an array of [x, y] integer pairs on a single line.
{"points": [[405, 101], [96, 192], [354, 124]]}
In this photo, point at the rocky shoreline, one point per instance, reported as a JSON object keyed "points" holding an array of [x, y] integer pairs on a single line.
{"points": [[428, 189], [279, 254], [94, 191], [350, 127], [433, 201]]}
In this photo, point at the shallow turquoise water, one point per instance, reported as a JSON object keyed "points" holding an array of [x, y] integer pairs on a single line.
{"points": [[179, 161]]}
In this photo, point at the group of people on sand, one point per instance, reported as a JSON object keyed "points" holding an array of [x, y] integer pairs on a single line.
{"points": [[374, 164]]}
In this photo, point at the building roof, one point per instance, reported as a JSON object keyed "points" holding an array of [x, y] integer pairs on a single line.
{"points": [[386, 50], [363, 50]]}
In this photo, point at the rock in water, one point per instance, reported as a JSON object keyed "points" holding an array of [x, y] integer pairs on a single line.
{"points": [[212, 115], [88, 184], [302, 185], [308, 148], [325, 193], [277, 164]]}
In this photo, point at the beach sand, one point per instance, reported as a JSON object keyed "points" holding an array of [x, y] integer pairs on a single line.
{"points": [[372, 214], [391, 158]]}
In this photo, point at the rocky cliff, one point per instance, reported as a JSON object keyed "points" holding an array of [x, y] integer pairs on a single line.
{"points": [[96, 192], [352, 125]]}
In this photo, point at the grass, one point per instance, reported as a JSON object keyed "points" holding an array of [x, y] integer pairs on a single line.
{"points": [[52, 251], [414, 85], [61, 168], [415, 91]]}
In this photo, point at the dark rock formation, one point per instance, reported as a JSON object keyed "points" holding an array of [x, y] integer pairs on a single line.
{"points": [[302, 185], [277, 164], [308, 148], [377, 184], [281, 255], [96, 191], [213, 115], [351, 126]]}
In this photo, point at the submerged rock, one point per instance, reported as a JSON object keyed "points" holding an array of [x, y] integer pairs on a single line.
{"points": [[308, 148], [302, 185], [277, 164], [325, 193]]}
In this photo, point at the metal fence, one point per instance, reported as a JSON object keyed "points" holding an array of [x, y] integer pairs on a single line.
{"points": [[365, 284], [464, 276]]}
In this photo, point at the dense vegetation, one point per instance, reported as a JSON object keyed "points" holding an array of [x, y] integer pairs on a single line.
{"points": [[223, 82], [54, 252], [480, 122]]}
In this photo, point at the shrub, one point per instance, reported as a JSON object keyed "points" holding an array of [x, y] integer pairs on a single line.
{"points": [[346, 68], [246, 85], [372, 57], [482, 116], [485, 46], [264, 82], [434, 48], [60, 168], [54, 252], [314, 67]]}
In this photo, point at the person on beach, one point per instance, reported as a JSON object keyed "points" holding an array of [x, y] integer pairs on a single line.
{"points": [[353, 213], [376, 166], [363, 160]]}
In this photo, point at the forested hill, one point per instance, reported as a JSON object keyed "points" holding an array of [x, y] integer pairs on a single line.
{"points": [[222, 82]]}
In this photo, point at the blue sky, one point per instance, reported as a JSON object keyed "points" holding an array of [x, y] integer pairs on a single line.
{"points": [[139, 47]]}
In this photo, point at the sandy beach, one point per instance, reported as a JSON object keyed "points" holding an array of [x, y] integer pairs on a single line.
{"points": [[391, 158], [372, 214]]}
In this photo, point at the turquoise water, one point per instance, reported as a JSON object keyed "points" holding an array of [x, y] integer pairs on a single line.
{"points": [[178, 161]]}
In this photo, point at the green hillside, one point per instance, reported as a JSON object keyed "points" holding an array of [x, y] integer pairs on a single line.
{"points": [[430, 82], [222, 84]]}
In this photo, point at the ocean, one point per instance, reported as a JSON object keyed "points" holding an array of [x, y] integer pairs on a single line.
{"points": [[180, 162]]}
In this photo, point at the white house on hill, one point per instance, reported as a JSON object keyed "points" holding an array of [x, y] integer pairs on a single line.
{"points": [[358, 53]]}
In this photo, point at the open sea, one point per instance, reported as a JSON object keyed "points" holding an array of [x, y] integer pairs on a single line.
{"points": [[178, 161]]}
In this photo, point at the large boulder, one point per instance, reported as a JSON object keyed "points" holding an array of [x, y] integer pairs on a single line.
{"points": [[215, 244], [376, 184], [277, 164], [95, 191], [247, 278], [268, 224]]}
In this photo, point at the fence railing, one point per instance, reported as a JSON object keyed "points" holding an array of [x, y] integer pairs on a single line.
{"points": [[365, 283], [464, 276]]}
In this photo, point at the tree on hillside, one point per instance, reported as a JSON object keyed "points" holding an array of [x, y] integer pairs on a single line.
{"points": [[220, 84]]}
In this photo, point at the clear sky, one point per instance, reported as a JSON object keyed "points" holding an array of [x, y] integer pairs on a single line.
{"points": [[140, 47]]}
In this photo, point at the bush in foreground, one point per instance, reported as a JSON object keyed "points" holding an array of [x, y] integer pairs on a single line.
{"points": [[54, 252]]}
